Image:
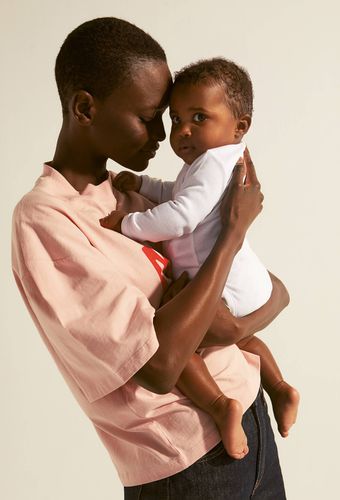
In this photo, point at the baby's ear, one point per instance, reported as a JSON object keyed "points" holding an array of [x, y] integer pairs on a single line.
{"points": [[242, 127]]}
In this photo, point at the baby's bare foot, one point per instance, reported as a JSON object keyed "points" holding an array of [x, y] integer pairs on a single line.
{"points": [[227, 414], [285, 400]]}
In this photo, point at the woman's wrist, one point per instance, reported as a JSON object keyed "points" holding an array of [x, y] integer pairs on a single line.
{"points": [[230, 236]]}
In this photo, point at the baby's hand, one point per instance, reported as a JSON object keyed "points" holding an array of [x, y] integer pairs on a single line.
{"points": [[113, 220], [127, 181]]}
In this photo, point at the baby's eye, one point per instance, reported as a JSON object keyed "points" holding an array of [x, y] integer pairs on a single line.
{"points": [[199, 117], [175, 119]]}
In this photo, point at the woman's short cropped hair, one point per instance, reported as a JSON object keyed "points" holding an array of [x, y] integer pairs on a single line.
{"points": [[234, 80], [100, 55]]}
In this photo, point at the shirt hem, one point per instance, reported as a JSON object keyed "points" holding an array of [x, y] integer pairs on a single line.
{"points": [[178, 464]]}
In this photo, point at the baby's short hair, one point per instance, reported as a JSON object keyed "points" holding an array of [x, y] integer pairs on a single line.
{"points": [[100, 55], [234, 80]]}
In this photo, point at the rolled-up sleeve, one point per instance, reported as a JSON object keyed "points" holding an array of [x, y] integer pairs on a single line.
{"points": [[99, 325]]}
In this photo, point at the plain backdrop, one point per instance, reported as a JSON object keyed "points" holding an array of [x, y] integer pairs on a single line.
{"points": [[49, 450]]}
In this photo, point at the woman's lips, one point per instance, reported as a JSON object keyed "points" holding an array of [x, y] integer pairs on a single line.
{"points": [[150, 151]]}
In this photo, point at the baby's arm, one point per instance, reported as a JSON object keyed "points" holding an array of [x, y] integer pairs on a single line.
{"points": [[199, 193], [155, 189], [199, 386]]}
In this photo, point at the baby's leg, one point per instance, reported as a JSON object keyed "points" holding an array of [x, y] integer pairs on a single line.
{"points": [[285, 399], [198, 385]]}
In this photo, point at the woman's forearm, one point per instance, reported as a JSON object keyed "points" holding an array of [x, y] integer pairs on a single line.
{"points": [[182, 323], [227, 330], [268, 312]]}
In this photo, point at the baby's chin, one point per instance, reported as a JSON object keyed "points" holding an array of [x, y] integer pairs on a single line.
{"points": [[189, 154]]}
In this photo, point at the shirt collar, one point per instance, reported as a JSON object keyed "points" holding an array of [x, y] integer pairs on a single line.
{"points": [[55, 183]]}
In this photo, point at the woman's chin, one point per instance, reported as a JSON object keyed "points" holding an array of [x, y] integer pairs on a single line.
{"points": [[134, 164], [138, 164]]}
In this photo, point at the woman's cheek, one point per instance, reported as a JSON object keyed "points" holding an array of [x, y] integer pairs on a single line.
{"points": [[139, 135]]}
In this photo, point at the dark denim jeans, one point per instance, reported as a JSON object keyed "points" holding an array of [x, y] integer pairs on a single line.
{"points": [[216, 476]]}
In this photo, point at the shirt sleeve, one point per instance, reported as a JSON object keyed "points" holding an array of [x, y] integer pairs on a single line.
{"points": [[200, 192], [156, 190], [98, 324]]}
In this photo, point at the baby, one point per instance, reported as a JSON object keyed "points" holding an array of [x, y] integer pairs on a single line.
{"points": [[210, 108]]}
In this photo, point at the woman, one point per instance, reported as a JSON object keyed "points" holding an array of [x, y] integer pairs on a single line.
{"points": [[95, 295]]}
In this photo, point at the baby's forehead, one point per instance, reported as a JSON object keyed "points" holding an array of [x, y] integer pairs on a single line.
{"points": [[184, 94], [200, 87]]}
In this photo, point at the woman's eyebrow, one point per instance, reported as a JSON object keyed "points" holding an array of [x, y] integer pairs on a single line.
{"points": [[161, 109], [155, 109]]}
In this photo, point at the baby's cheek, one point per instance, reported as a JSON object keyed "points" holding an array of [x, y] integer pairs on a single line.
{"points": [[214, 137], [173, 139], [206, 139]]}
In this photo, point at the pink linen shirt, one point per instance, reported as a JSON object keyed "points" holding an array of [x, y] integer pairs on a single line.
{"points": [[92, 294]]}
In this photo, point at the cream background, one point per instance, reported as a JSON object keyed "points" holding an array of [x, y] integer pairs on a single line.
{"points": [[291, 49]]}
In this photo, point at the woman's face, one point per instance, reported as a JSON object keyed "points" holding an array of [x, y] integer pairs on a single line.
{"points": [[127, 126]]}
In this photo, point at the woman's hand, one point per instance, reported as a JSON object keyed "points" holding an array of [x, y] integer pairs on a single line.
{"points": [[175, 287], [243, 199], [127, 181]]}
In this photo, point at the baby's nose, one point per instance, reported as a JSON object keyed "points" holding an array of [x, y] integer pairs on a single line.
{"points": [[185, 130]]}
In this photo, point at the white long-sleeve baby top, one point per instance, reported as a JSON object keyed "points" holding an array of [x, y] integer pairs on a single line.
{"points": [[187, 219]]}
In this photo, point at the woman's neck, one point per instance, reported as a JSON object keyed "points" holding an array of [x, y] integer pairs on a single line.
{"points": [[76, 162]]}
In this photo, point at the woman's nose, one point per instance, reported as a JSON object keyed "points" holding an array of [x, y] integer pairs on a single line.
{"points": [[157, 130]]}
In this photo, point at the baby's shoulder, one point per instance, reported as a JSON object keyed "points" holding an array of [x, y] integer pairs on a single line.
{"points": [[208, 164]]}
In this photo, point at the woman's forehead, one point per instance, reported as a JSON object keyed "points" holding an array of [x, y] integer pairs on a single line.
{"points": [[149, 85]]}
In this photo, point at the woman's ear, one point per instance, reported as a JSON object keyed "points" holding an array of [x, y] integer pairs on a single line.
{"points": [[83, 107], [242, 127]]}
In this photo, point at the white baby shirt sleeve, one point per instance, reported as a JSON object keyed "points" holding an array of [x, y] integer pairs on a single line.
{"points": [[156, 190], [202, 185]]}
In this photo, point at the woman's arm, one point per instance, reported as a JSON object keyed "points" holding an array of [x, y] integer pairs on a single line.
{"points": [[182, 323], [226, 329]]}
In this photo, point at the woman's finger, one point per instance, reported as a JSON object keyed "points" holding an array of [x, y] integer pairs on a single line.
{"points": [[251, 177], [168, 270], [175, 287], [182, 281], [239, 172]]}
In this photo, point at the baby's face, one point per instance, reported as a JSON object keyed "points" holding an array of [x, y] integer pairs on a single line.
{"points": [[201, 120]]}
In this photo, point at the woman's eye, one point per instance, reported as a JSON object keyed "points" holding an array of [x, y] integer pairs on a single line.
{"points": [[199, 117], [145, 120]]}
